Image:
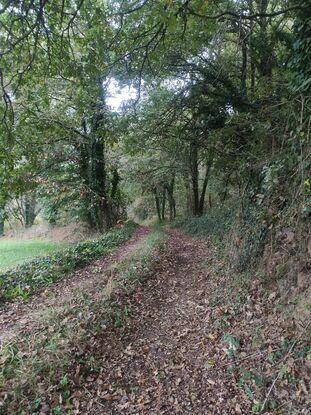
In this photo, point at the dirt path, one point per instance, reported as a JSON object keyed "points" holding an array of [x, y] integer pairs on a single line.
{"points": [[23, 316], [169, 356], [157, 365]]}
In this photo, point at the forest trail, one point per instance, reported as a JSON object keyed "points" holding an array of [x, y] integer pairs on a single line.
{"points": [[169, 353], [157, 364], [24, 317]]}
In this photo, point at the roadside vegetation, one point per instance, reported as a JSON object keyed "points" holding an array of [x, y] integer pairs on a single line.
{"points": [[256, 316], [48, 356], [31, 276]]}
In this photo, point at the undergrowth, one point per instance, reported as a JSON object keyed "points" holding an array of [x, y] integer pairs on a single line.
{"points": [[25, 279], [240, 234], [215, 223], [265, 356], [267, 353]]}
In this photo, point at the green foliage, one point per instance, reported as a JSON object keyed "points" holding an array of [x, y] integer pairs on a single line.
{"points": [[301, 61], [24, 280], [233, 344], [215, 223]]}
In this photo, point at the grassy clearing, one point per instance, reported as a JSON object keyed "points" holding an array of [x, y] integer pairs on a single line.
{"points": [[27, 278], [14, 252], [45, 358]]}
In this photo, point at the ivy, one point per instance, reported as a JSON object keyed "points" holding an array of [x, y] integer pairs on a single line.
{"points": [[26, 279]]}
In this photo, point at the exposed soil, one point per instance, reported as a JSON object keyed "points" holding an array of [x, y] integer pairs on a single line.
{"points": [[22, 316]]}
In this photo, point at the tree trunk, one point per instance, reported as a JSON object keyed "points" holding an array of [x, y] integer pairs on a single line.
{"points": [[171, 200], [194, 172], [189, 203], [163, 204], [52, 214], [101, 207], [244, 63], [2, 218], [100, 210], [266, 59], [210, 204], [251, 51], [84, 159], [114, 183], [157, 202], [205, 182], [224, 193], [30, 209]]}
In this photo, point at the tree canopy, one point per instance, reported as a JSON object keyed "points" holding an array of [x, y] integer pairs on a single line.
{"points": [[221, 107]]}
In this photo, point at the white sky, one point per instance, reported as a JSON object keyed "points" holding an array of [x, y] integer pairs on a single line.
{"points": [[118, 96]]}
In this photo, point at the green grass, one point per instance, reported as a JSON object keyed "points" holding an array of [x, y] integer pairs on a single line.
{"points": [[30, 276], [14, 252]]}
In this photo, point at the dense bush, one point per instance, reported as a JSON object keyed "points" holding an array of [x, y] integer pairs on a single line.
{"points": [[240, 233], [215, 223], [42, 271]]}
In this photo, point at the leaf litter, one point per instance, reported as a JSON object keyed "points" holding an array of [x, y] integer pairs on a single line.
{"points": [[188, 340]]}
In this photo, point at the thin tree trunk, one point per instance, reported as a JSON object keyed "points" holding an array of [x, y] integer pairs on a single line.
{"points": [[210, 204], [205, 182], [157, 202], [1, 227], [253, 69], [251, 51], [189, 203], [171, 200], [2, 217], [266, 59], [114, 183], [194, 171], [244, 64], [30, 209], [163, 204], [225, 191]]}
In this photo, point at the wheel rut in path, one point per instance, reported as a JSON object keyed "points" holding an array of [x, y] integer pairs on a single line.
{"points": [[24, 317]]}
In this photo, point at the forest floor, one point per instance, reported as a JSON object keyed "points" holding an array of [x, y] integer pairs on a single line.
{"points": [[188, 342]]}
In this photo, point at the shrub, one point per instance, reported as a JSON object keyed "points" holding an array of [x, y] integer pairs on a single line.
{"points": [[216, 223]]}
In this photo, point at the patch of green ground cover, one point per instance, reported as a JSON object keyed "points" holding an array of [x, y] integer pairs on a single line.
{"points": [[46, 357], [14, 252], [27, 278], [216, 222]]}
